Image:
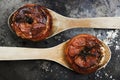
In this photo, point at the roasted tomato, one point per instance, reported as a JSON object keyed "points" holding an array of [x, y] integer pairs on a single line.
{"points": [[83, 53], [32, 22]]}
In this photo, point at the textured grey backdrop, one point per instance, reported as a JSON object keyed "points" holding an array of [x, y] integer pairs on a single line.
{"points": [[48, 70]]}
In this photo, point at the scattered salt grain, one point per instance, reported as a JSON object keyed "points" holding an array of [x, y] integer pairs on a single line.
{"points": [[111, 77], [97, 75], [111, 35], [106, 74], [117, 47]]}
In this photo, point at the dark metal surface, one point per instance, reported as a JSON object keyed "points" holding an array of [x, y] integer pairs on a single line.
{"points": [[48, 70]]}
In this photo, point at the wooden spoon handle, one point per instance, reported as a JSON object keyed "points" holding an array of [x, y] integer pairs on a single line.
{"points": [[101, 22], [17, 53], [61, 23]]}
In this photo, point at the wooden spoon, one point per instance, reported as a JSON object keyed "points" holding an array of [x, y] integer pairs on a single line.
{"points": [[54, 54], [61, 23]]}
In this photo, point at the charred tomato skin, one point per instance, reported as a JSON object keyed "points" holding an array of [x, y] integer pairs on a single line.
{"points": [[32, 22], [83, 53]]}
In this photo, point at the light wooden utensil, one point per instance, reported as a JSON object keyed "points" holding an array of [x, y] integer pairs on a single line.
{"points": [[54, 54], [61, 23]]}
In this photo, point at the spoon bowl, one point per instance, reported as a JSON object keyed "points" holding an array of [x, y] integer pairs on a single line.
{"points": [[56, 54], [61, 23]]}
